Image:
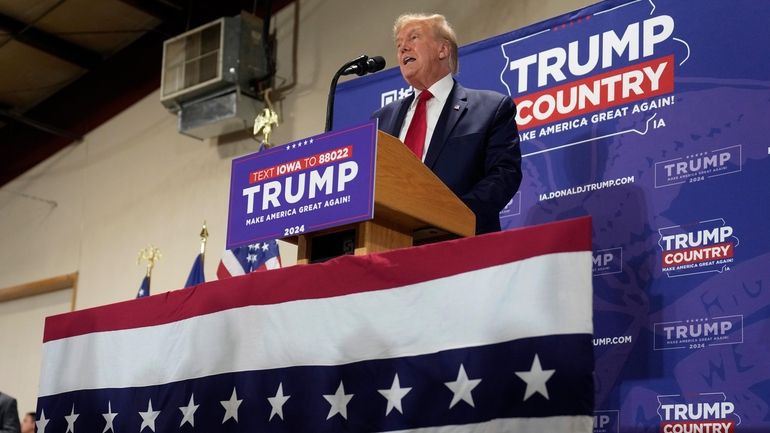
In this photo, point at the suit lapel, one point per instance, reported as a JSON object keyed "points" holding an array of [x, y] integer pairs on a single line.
{"points": [[446, 122], [396, 122]]}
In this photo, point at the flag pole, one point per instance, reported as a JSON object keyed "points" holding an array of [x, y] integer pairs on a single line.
{"points": [[204, 238], [151, 255]]}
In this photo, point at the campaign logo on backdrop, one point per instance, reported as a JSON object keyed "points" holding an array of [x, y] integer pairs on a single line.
{"points": [[594, 76], [706, 246], [606, 421], [513, 208], [699, 333], [608, 261], [698, 166], [703, 412]]}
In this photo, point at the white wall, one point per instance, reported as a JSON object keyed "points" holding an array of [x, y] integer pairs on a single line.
{"points": [[21, 331], [135, 181]]}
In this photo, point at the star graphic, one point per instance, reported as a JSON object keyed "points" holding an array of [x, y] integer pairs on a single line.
{"points": [[394, 395], [535, 378], [109, 417], [71, 418], [310, 141], [148, 418], [462, 388], [188, 412], [265, 246], [42, 422], [231, 407], [339, 401], [277, 402]]}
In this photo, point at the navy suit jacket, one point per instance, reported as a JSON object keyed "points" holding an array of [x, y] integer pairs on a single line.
{"points": [[474, 149]]}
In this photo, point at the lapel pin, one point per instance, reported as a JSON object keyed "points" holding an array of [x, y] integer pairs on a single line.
{"points": [[456, 108]]}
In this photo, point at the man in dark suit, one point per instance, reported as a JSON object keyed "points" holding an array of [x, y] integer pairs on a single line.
{"points": [[9, 414], [467, 137]]}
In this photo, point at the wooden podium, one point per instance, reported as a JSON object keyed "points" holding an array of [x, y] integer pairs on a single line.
{"points": [[410, 204]]}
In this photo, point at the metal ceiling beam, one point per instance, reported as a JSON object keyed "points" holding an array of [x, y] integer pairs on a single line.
{"points": [[49, 43], [162, 10], [10, 114]]}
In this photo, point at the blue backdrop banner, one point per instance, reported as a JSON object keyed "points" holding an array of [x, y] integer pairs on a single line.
{"points": [[652, 117]]}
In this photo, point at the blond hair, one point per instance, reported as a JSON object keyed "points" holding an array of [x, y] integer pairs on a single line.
{"points": [[441, 30]]}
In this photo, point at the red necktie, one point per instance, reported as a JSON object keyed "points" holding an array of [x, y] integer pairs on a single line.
{"points": [[415, 135]]}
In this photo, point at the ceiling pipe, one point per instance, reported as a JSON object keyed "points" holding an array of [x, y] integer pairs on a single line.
{"points": [[10, 115]]}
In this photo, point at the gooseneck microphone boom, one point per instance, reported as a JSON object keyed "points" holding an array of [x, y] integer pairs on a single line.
{"points": [[360, 66], [363, 67]]}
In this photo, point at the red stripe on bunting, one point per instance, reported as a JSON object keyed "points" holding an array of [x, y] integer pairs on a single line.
{"points": [[338, 277]]}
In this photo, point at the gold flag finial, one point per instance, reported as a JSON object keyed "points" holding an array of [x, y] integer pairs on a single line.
{"points": [[204, 238], [266, 120], [151, 255]]}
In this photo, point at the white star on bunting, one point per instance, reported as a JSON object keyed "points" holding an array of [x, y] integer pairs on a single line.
{"points": [[71, 418], [462, 388], [535, 378], [109, 417], [42, 422], [277, 402], [231, 407], [188, 412], [394, 395], [339, 401], [148, 418]]}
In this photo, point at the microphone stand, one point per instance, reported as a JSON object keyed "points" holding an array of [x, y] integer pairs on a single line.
{"points": [[330, 99]]}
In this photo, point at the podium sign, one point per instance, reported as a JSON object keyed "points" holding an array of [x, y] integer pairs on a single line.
{"points": [[303, 186]]}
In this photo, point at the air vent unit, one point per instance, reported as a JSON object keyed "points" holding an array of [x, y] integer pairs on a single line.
{"points": [[222, 56]]}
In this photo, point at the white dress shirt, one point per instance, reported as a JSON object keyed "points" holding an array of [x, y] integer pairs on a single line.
{"points": [[440, 90]]}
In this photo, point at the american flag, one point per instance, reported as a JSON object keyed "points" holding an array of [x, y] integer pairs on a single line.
{"points": [[144, 288], [243, 260], [476, 335], [196, 275]]}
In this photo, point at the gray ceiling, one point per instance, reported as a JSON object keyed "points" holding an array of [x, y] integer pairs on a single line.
{"points": [[66, 66], [51, 43]]}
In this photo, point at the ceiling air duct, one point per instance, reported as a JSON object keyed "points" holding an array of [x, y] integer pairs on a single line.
{"points": [[209, 73]]}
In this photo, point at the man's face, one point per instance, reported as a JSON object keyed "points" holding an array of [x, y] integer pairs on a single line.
{"points": [[422, 58], [28, 424]]}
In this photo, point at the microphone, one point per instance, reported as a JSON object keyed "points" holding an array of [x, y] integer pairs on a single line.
{"points": [[365, 65], [360, 66]]}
